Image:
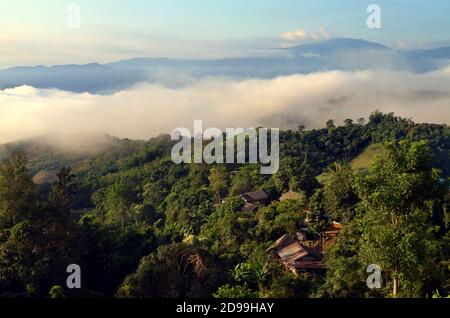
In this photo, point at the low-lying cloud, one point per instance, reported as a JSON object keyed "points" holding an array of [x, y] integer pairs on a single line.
{"points": [[147, 110]]}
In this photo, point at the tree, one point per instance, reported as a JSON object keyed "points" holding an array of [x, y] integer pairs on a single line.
{"points": [[198, 174], [229, 292], [35, 256], [174, 271], [242, 181], [220, 182], [17, 191], [396, 230], [330, 124], [295, 174], [339, 196], [348, 122], [228, 226], [318, 220], [63, 192], [154, 194], [35, 246], [301, 128], [56, 292], [253, 273], [346, 275], [118, 200], [278, 219]]}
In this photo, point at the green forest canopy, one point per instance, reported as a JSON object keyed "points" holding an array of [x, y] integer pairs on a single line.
{"points": [[141, 226]]}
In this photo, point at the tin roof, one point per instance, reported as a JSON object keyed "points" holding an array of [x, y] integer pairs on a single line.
{"points": [[255, 196], [249, 207]]}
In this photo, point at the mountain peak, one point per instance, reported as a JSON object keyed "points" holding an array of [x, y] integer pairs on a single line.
{"points": [[333, 45]]}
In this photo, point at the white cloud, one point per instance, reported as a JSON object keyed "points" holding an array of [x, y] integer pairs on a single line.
{"points": [[295, 35], [285, 102], [304, 35]]}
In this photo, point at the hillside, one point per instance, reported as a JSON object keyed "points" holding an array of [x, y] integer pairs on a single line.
{"points": [[128, 215], [362, 162], [359, 145], [47, 155]]}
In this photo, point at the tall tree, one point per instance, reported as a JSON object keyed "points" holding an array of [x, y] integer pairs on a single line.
{"points": [[339, 196], [17, 190], [220, 182], [63, 193], [318, 220], [397, 233]]}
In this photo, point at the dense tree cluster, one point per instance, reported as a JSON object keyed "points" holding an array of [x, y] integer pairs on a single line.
{"points": [[141, 226]]}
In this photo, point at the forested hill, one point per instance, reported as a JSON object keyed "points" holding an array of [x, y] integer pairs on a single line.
{"points": [[48, 154], [315, 150], [128, 216]]}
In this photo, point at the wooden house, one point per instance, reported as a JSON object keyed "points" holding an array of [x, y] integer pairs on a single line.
{"points": [[295, 256], [256, 198]]}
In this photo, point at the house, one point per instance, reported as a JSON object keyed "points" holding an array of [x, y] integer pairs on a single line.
{"points": [[256, 198], [307, 251], [295, 256], [249, 207], [253, 200]]}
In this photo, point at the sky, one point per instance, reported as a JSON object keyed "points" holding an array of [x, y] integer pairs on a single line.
{"points": [[36, 32]]}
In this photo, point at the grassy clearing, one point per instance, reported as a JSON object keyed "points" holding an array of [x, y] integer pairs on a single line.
{"points": [[364, 160], [360, 164]]}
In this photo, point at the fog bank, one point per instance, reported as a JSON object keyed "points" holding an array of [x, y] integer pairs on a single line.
{"points": [[147, 110]]}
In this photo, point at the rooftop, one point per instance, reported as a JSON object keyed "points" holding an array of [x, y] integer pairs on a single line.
{"points": [[255, 196]]}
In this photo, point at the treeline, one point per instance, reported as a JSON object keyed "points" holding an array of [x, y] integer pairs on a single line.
{"points": [[141, 226]]}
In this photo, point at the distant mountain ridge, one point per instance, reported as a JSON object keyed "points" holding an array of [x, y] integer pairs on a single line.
{"points": [[334, 45], [92, 77], [334, 54]]}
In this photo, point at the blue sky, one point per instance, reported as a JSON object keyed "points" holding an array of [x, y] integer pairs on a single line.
{"points": [[115, 29]]}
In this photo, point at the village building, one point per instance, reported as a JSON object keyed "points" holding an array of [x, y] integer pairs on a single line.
{"points": [[249, 207], [256, 198], [296, 257], [306, 252], [253, 200]]}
